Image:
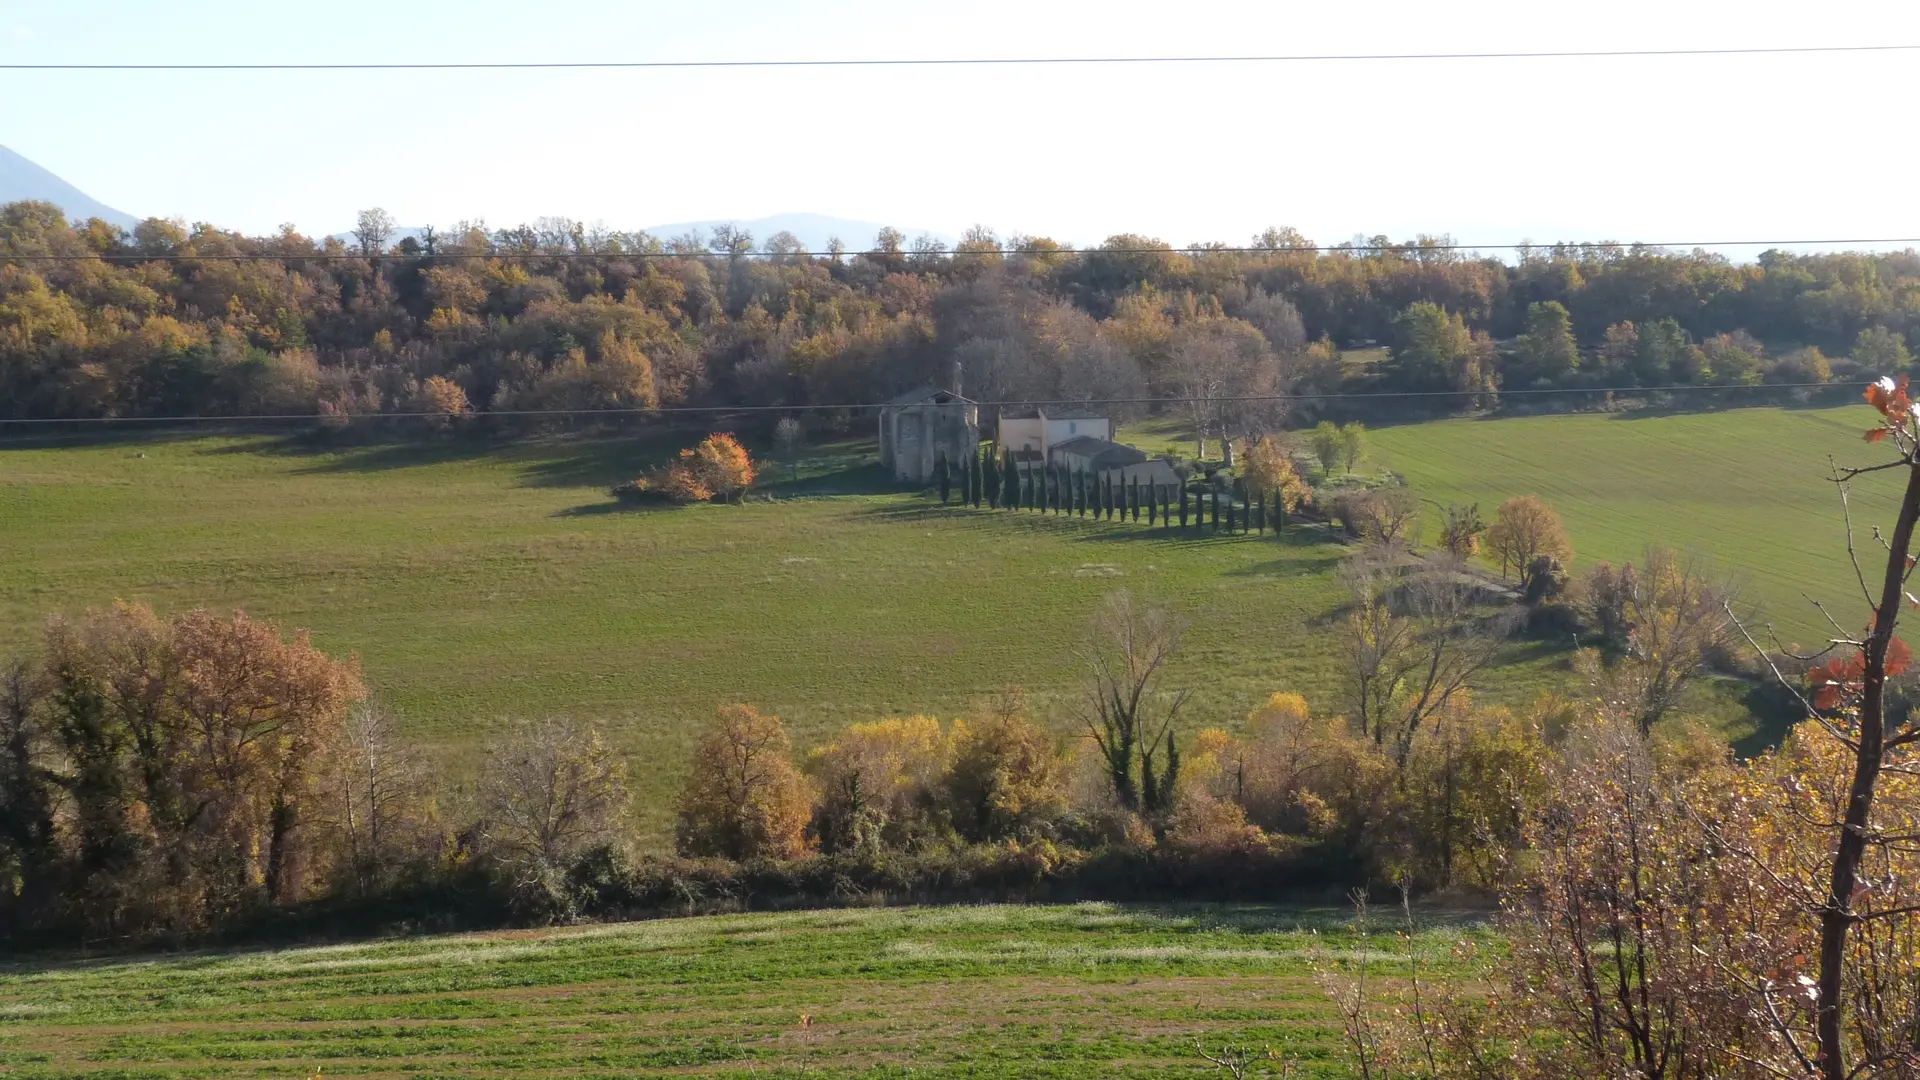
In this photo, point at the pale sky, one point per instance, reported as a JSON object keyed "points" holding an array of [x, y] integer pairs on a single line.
{"points": [[1656, 149]]}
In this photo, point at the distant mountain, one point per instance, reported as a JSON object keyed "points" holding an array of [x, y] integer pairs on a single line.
{"points": [[21, 179], [813, 230]]}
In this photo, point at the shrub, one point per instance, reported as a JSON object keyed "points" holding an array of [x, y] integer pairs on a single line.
{"points": [[718, 468], [878, 783], [744, 799], [1006, 780]]}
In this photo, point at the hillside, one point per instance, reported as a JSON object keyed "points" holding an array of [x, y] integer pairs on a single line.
{"points": [[22, 180]]}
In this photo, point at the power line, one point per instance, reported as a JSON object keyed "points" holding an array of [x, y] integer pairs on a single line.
{"points": [[1002, 61], [672, 410], [1405, 249]]}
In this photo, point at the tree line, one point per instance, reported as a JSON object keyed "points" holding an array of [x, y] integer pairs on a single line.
{"points": [[164, 321]]}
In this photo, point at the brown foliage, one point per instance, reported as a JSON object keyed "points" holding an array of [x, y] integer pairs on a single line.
{"points": [[744, 799], [1525, 529]]}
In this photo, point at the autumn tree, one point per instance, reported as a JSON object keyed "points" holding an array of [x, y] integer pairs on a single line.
{"points": [[1525, 528], [210, 731], [1268, 471], [878, 783], [723, 465], [743, 798], [1128, 712], [1006, 780]]}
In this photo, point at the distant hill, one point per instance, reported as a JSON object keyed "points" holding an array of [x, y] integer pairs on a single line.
{"points": [[21, 179], [813, 230]]}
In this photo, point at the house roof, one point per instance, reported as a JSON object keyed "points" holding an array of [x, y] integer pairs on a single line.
{"points": [[1090, 447], [924, 394]]}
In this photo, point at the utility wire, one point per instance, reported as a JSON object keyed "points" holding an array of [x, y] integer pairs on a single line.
{"points": [[671, 410], [1405, 249], [1002, 61]]}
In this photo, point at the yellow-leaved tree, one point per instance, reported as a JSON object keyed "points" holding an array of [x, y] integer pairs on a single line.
{"points": [[1269, 470]]}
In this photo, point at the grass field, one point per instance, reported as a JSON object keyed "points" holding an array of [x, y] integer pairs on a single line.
{"points": [[1083, 991], [484, 583], [1746, 487], [480, 583]]}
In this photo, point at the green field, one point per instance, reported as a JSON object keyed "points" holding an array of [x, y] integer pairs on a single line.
{"points": [[480, 583], [1748, 488], [1085, 991]]}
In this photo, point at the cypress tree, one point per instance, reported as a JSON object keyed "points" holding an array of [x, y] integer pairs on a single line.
{"points": [[1183, 505], [1085, 482], [1106, 495], [1246, 505], [1133, 497], [1153, 505], [1279, 515], [990, 475], [945, 478], [1258, 508], [1009, 480]]}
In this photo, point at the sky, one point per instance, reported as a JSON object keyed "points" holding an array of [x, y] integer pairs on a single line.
{"points": [[1671, 150]]}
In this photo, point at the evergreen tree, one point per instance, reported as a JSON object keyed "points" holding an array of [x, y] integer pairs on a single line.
{"points": [[1183, 505], [990, 475], [1153, 505], [1106, 496], [1257, 506], [1230, 512], [1279, 515], [1009, 480], [1133, 498], [944, 477]]}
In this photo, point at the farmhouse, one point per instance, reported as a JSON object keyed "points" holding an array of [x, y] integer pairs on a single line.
{"points": [[1031, 433], [920, 427]]}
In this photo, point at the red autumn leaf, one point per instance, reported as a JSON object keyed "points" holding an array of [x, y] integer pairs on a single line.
{"points": [[1827, 697], [1875, 435], [1855, 666], [1899, 656]]}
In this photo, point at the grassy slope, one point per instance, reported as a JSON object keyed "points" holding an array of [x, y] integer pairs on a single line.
{"points": [[482, 584], [1085, 991], [1746, 487]]}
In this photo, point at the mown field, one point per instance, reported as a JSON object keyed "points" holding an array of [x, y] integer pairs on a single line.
{"points": [[1091, 990]]}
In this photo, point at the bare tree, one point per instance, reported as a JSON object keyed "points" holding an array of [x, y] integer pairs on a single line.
{"points": [[789, 438], [375, 228], [1675, 616], [550, 790], [1226, 377], [379, 797], [1128, 714], [1415, 638]]}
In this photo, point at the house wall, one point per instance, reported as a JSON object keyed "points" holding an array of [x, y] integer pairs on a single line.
{"points": [[920, 434], [1059, 431], [1021, 435]]}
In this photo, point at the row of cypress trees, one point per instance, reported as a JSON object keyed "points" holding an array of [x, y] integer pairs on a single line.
{"points": [[998, 481]]}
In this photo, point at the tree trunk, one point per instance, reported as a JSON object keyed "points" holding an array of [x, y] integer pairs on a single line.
{"points": [[1837, 917]]}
